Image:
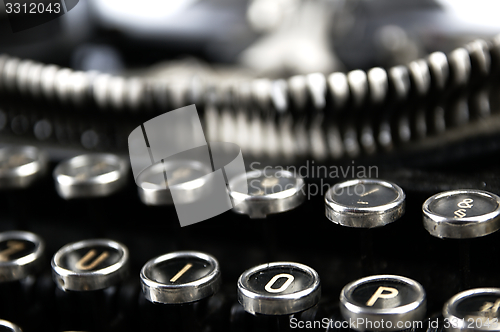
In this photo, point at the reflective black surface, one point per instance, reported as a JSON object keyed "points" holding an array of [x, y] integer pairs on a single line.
{"points": [[364, 195], [463, 205]]}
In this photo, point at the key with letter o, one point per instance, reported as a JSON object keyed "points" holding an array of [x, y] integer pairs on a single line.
{"points": [[178, 287], [269, 295], [88, 275], [383, 303]]}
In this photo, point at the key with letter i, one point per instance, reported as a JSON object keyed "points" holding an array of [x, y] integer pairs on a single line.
{"points": [[178, 289]]}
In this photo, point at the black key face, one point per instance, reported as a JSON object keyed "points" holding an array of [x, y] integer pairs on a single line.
{"points": [[180, 270], [363, 195], [384, 294], [463, 205], [90, 258], [15, 248], [279, 281]]}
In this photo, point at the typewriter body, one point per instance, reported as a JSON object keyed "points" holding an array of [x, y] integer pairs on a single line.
{"points": [[379, 97]]}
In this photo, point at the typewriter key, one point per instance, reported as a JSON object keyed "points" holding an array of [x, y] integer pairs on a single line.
{"points": [[269, 191], [88, 275], [383, 303], [279, 288], [90, 175], [180, 277], [364, 203], [461, 214], [178, 287], [20, 166], [21, 255], [6, 326], [473, 310], [273, 295], [90, 265], [186, 176], [21, 261]]}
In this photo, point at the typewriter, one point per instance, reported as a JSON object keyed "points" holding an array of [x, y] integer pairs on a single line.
{"points": [[369, 132]]}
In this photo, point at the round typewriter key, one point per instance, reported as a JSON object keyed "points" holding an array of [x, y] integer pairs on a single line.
{"points": [[89, 275], [90, 265], [6, 326], [461, 214], [21, 255], [269, 191], [180, 277], [179, 288], [186, 176], [383, 303], [364, 203], [280, 288], [90, 175], [473, 310], [21, 261], [20, 166]]}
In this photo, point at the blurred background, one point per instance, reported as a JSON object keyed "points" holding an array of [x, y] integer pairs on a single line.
{"points": [[267, 38], [246, 64]]}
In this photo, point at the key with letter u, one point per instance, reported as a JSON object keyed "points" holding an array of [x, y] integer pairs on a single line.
{"points": [[88, 275]]}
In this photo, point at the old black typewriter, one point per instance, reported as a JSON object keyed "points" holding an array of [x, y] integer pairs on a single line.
{"points": [[367, 197]]}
